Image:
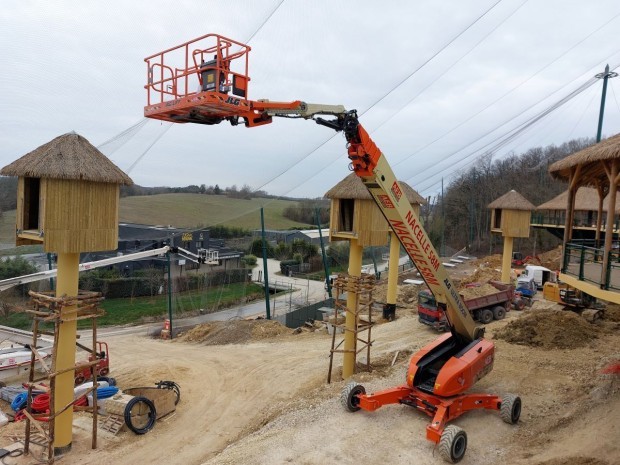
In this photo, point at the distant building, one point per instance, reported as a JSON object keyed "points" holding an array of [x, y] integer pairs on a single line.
{"points": [[134, 238]]}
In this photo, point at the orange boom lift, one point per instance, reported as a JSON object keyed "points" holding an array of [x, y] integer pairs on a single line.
{"points": [[205, 81]]}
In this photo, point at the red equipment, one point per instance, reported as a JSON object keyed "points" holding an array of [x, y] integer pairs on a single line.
{"points": [[442, 371], [103, 367]]}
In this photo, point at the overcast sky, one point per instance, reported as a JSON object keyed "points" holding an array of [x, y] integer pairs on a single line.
{"points": [[79, 66]]}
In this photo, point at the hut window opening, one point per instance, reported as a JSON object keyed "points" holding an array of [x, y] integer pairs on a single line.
{"points": [[497, 224], [32, 190], [347, 207]]}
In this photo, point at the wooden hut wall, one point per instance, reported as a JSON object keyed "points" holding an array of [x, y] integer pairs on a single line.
{"points": [[515, 223], [80, 216]]}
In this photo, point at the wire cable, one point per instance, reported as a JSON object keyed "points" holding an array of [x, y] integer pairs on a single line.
{"points": [[380, 99], [510, 135], [511, 90]]}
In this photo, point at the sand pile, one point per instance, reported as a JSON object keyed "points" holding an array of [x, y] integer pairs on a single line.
{"points": [[549, 329], [234, 332], [612, 312], [482, 275], [477, 291], [552, 259]]}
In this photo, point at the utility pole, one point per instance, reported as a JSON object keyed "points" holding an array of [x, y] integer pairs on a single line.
{"points": [[604, 76], [325, 264], [265, 272], [443, 223]]}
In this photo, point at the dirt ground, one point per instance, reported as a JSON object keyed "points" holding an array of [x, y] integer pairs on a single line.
{"points": [[252, 392]]}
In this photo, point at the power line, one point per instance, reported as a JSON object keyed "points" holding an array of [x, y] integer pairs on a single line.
{"points": [[434, 81], [269, 16], [509, 92], [512, 134], [380, 99]]}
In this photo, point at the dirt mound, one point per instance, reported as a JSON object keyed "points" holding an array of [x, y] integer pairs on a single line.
{"points": [[549, 329], [551, 259], [234, 332], [491, 261], [483, 274], [612, 312], [406, 295]]}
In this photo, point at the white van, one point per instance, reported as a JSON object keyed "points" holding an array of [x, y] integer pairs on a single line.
{"points": [[540, 274]]}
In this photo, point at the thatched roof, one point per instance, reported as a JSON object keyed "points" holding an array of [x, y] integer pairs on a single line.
{"points": [[352, 187], [586, 199], [592, 171], [512, 201], [69, 156]]}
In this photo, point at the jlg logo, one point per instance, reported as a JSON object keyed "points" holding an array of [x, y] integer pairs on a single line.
{"points": [[233, 101]]}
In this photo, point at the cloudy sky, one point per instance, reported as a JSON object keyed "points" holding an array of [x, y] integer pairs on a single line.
{"points": [[436, 83]]}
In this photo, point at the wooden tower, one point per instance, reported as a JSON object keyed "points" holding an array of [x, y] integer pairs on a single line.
{"points": [[510, 216], [67, 200], [355, 217]]}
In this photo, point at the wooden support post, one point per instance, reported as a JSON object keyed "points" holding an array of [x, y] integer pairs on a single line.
{"points": [[507, 259], [67, 284], [355, 269]]}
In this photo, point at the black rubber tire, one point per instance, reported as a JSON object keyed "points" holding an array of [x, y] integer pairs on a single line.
{"points": [[453, 444], [152, 415], [486, 316], [510, 409], [79, 380], [519, 304], [499, 312], [348, 396]]}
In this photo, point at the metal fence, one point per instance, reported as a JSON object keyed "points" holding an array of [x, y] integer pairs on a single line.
{"points": [[296, 318], [585, 262]]}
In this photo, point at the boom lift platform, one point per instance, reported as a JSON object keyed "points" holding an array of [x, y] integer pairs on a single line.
{"points": [[204, 81]]}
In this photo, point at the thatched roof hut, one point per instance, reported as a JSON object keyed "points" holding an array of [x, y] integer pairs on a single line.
{"points": [[69, 156], [590, 159], [510, 216], [67, 196], [512, 201], [354, 214], [586, 199], [352, 187]]}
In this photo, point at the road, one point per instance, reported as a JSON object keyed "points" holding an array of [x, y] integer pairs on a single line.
{"points": [[304, 291]]}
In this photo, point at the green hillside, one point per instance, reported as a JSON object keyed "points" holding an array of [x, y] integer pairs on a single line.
{"points": [[185, 210], [190, 210]]}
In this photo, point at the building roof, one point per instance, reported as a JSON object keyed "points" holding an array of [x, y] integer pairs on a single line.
{"points": [[592, 170], [586, 199], [352, 187], [69, 156], [512, 201]]}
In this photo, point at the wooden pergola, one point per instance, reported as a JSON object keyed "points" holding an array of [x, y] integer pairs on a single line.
{"points": [[597, 166]]}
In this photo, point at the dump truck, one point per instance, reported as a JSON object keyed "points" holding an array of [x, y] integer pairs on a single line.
{"points": [[483, 309]]}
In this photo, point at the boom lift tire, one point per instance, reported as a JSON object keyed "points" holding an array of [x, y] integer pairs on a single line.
{"points": [[348, 396], [453, 444], [486, 316], [510, 410], [499, 312]]}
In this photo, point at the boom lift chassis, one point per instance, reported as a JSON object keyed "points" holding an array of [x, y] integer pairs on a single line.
{"points": [[441, 372]]}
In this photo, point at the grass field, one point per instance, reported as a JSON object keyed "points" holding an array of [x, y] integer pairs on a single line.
{"points": [[183, 211], [140, 309], [190, 210]]}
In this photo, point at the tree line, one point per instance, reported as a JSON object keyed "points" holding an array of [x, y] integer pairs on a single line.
{"points": [[465, 200]]}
